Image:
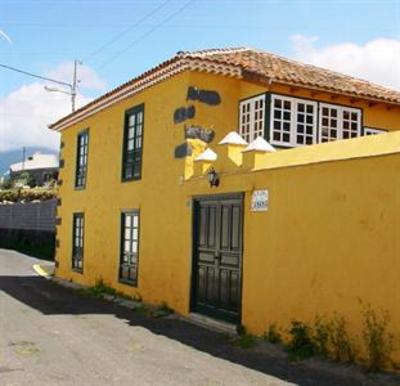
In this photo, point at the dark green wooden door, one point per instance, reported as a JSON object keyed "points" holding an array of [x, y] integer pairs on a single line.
{"points": [[218, 257]]}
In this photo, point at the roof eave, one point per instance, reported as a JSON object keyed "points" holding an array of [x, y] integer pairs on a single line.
{"points": [[167, 69], [256, 77]]}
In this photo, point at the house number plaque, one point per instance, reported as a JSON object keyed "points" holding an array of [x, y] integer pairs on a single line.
{"points": [[259, 201]]}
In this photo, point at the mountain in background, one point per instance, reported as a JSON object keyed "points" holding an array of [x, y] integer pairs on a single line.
{"points": [[12, 156]]}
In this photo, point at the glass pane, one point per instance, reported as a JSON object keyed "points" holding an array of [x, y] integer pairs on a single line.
{"points": [[136, 221]]}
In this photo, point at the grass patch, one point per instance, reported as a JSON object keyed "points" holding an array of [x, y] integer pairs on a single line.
{"points": [[245, 341], [162, 311], [100, 289]]}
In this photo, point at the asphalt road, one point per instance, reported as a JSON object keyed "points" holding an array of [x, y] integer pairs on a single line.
{"points": [[51, 335]]}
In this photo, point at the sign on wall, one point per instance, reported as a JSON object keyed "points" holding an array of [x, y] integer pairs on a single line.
{"points": [[259, 201]]}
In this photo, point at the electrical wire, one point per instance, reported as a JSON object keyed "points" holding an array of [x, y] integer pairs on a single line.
{"points": [[34, 75], [146, 34], [125, 31]]}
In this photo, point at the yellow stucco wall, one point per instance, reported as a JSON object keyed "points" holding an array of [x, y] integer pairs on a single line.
{"points": [[329, 237]]}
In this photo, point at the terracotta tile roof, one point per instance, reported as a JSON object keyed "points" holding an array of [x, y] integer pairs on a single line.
{"points": [[280, 69], [242, 63]]}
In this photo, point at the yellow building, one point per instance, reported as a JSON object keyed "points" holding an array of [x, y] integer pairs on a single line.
{"points": [[237, 184]]}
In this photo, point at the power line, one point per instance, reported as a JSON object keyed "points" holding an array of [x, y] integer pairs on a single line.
{"points": [[72, 86], [145, 35], [34, 75], [125, 31]]}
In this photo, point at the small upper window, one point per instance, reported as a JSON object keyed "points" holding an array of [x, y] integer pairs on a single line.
{"points": [[338, 122], [372, 131], [252, 118], [133, 144], [293, 121], [81, 159]]}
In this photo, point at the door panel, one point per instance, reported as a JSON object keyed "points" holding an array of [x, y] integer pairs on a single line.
{"points": [[218, 257]]}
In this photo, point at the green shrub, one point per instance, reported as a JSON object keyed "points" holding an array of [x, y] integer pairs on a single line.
{"points": [[18, 195], [272, 335], [340, 343], [378, 341], [162, 310], [300, 345], [100, 289], [321, 335]]}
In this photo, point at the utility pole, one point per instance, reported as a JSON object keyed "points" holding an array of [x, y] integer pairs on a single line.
{"points": [[72, 87], [23, 157]]}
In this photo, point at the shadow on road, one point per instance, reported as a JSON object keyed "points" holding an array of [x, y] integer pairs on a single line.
{"points": [[51, 299]]}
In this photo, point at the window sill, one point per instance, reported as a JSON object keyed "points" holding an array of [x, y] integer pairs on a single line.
{"points": [[77, 270], [128, 282], [130, 179]]}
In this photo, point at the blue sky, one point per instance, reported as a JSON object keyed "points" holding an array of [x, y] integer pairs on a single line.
{"points": [[47, 34]]}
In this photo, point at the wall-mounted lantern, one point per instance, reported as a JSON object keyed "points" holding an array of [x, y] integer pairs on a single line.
{"points": [[213, 178]]}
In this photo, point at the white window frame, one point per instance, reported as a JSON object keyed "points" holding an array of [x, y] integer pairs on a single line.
{"points": [[373, 131], [293, 120], [253, 120], [340, 110]]}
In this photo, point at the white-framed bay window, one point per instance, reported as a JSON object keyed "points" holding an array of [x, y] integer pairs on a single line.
{"points": [[338, 122], [293, 121], [252, 118]]}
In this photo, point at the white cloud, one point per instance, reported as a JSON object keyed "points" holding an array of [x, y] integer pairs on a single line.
{"points": [[26, 111], [88, 78], [377, 60]]}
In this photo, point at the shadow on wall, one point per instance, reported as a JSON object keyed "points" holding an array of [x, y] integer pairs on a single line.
{"points": [[51, 299], [34, 243]]}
